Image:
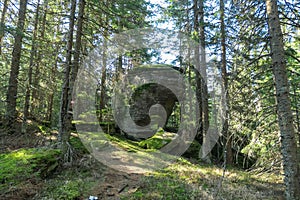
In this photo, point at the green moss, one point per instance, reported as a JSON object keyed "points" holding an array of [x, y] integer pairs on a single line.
{"points": [[65, 189], [124, 143], [20, 165], [78, 146], [185, 180], [157, 141], [164, 184], [71, 183], [173, 182], [160, 139]]}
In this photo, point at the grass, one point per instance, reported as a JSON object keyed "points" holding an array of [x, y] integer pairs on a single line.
{"points": [[35, 171], [32, 173], [157, 141], [122, 142], [69, 184], [185, 180]]}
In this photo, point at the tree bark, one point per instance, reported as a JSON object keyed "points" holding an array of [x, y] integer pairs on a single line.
{"points": [[228, 139], [31, 63], [102, 90], [103, 77], [284, 112], [66, 105], [2, 26], [65, 116], [297, 113], [204, 90], [77, 51], [198, 66], [12, 92], [79, 34]]}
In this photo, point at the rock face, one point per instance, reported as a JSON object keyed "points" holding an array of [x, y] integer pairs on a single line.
{"points": [[149, 95], [146, 99]]}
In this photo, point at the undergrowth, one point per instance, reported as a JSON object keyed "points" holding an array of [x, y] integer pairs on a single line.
{"points": [[23, 164], [185, 180], [182, 180], [70, 184]]}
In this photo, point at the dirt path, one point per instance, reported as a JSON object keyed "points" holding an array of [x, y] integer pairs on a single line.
{"points": [[116, 183]]}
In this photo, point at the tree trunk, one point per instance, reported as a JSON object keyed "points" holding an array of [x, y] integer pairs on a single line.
{"points": [[54, 85], [65, 116], [102, 90], [198, 67], [103, 77], [76, 62], [12, 92], [36, 79], [66, 105], [228, 155], [204, 90], [284, 112], [2, 26], [31, 63], [297, 112]]}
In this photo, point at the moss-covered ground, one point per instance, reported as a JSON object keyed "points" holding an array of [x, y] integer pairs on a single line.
{"points": [[37, 173]]}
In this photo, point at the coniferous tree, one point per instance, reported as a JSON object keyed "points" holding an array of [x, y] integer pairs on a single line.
{"points": [[284, 112], [12, 92], [65, 115], [225, 133], [2, 24], [31, 65]]}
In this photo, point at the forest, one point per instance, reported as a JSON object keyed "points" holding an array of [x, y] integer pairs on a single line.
{"points": [[150, 99]]}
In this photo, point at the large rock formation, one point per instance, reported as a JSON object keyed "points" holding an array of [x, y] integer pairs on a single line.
{"points": [[150, 94]]}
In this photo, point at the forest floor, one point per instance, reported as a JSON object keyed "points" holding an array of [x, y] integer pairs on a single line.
{"points": [[30, 168]]}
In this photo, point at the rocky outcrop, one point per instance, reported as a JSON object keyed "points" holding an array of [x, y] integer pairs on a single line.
{"points": [[146, 99]]}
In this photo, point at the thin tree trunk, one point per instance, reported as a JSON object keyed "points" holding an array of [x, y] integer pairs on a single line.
{"points": [[66, 121], [77, 53], [65, 116], [36, 79], [198, 66], [53, 74], [284, 112], [103, 77], [31, 63], [12, 92], [297, 113], [2, 26], [53, 86], [226, 135], [101, 92], [50, 107], [205, 115]]}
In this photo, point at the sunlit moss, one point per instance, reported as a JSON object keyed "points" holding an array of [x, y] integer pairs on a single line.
{"points": [[157, 141], [22, 164]]}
